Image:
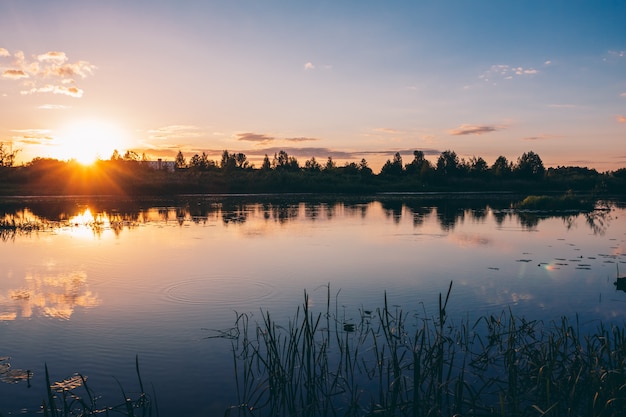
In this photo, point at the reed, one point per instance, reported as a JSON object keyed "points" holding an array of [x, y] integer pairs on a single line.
{"points": [[390, 363], [63, 399]]}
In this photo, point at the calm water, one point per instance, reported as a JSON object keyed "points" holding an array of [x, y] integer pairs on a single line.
{"points": [[105, 280]]}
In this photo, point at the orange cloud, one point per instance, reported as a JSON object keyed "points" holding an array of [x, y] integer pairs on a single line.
{"points": [[300, 139], [53, 56], [14, 74], [621, 119], [80, 68], [56, 89]]}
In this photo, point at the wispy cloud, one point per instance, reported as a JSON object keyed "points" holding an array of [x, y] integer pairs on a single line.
{"points": [[55, 89], [621, 119], [507, 72], [50, 72], [563, 106], [301, 139], [473, 129], [263, 138], [175, 132], [54, 107], [388, 130], [53, 56], [540, 137], [613, 56], [255, 137], [310, 66], [33, 136], [623, 95]]}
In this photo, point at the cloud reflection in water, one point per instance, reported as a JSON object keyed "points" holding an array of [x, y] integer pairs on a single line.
{"points": [[54, 296]]}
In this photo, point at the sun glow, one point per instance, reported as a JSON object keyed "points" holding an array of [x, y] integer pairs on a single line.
{"points": [[89, 140]]}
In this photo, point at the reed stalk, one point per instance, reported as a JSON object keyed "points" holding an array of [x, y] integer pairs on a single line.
{"points": [[390, 365]]}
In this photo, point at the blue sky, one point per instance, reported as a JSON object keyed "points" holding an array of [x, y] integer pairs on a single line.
{"points": [[348, 79]]}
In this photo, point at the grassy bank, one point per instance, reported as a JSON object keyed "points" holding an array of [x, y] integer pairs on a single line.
{"points": [[565, 202], [391, 363]]}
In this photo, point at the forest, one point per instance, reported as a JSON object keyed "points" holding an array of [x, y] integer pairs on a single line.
{"points": [[131, 174]]}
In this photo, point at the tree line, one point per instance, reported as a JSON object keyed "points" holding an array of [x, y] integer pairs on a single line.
{"points": [[234, 173], [448, 164]]}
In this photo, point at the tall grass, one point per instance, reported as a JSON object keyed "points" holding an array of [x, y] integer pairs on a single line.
{"points": [[63, 399], [391, 363]]}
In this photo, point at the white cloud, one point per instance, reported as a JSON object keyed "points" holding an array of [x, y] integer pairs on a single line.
{"points": [[506, 72], [309, 66], [55, 89], [54, 56], [53, 67], [53, 107], [175, 132]]}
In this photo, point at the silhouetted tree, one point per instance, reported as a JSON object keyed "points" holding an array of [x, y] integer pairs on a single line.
{"points": [[180, 161], [364, 169], [282, 161], [312, 165], [115, 156], [7, 156], [448, 164], [477, 167], [131, 156], [501, 168], [228, 162], [242, 160], [529, 166], [195, 162], [419, 165], [266, 165], [330, 164], [393, 167], [350, 168]]}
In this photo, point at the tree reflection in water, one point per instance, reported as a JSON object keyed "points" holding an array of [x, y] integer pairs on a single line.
{"points": [[25, 216]]}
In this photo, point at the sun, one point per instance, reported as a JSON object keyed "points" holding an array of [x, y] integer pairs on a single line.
{"points": [[89, 140]]}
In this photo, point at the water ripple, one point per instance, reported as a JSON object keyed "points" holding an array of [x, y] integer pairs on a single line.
{"points": [[232, 291]]}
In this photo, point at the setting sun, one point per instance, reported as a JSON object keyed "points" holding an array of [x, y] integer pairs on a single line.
{"points": [[89, 140]]}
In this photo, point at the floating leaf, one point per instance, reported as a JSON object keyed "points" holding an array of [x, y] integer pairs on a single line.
{"points": [[15, 375], [68, 384]]}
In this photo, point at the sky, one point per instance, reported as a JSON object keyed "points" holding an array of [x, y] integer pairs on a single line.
{"points": [[341, 79]]}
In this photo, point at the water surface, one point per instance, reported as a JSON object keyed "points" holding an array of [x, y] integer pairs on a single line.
{"points": [[91, 283]]}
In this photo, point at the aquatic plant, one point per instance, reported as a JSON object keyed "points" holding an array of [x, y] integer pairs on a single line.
{"points": [[64, 400], [390, 363], [563, 202]]}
